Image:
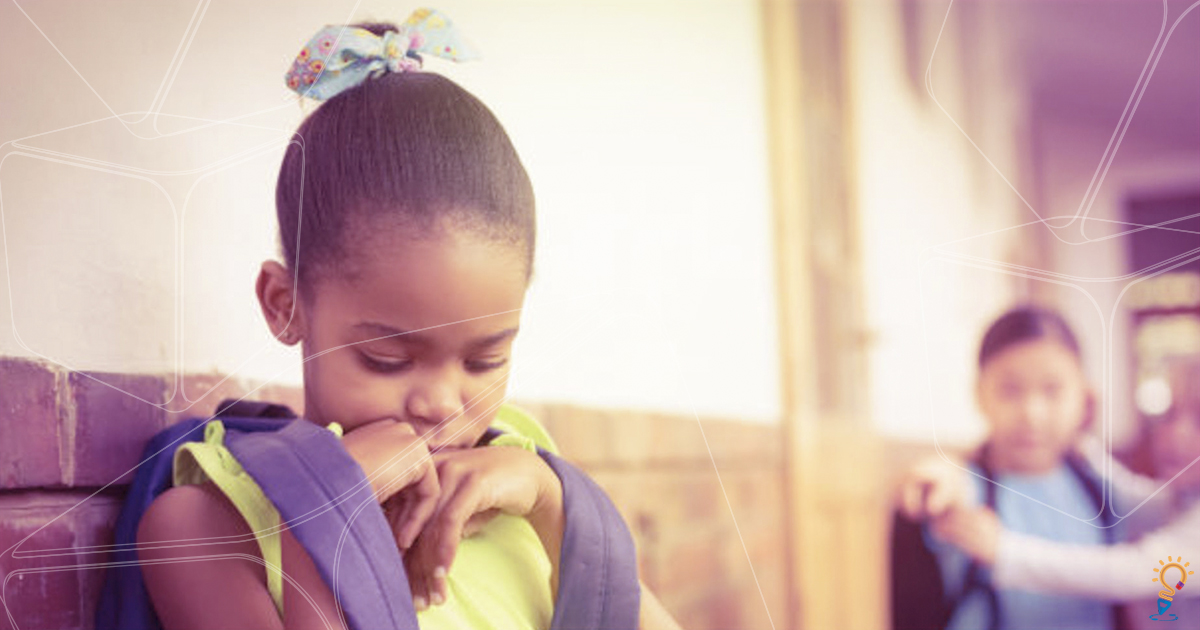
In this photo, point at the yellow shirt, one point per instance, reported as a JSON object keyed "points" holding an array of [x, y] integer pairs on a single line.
{"points": [[500, 577]]}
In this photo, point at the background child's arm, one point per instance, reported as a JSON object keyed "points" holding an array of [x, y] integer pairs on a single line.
{"points": [[1116, 572], [1113, 572]]}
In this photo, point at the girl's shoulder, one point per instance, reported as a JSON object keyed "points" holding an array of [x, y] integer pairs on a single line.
{"points": [[204, 517]]}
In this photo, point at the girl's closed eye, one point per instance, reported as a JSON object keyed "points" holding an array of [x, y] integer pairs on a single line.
{"points": [[486, 364], [384, 366]]}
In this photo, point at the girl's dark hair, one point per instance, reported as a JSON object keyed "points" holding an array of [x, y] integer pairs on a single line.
{"points": [[412, 149], [1026, 323]]}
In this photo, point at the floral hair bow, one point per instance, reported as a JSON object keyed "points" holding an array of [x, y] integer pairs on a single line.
{"points": [[340, 57]]}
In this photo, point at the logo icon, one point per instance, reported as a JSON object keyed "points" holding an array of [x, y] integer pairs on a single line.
{"points": [[1166, 596]]}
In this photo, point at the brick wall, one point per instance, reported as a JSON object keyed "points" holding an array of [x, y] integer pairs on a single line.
{"points": [[64, 436]]}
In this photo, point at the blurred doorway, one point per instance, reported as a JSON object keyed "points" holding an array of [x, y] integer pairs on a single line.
{"points": [[1164, 307]]}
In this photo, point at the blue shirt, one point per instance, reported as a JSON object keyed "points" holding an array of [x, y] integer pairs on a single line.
{"points": [[1068, 515]]}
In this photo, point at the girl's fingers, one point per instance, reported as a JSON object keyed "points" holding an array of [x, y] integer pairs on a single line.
{"points": [[434, 592], [478, 522], [456, 509], [460, 491], [910, 500], [423, 501], [917, 499], [394, 511], [938, 499], [414, 569]]}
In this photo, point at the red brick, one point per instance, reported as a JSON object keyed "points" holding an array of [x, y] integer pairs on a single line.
{"points": [[696, 559], [199, 395], [48, 585], [584, 436], [29, 447], [114, 416], [678, 439], [700, 495], [735, 443]]}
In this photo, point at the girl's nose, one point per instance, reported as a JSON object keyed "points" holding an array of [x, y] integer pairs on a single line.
{"points": [[434, 402], [1035, 411]]}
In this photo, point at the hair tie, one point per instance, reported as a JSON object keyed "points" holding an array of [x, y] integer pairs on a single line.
{"points": [[340, 57]]}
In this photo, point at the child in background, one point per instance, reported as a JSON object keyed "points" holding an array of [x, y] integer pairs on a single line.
{"points": [[1033, 393], [1116, 573], [407, 227]]}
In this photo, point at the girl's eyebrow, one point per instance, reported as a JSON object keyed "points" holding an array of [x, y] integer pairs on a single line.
{"points": [[383, 330], [493, 339]]}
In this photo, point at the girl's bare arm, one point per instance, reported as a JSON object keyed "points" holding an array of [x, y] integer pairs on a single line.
{"points": [[221, 586], [213, 577]]}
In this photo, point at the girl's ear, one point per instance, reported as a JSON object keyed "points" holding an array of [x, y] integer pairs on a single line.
{"points": [[277, 295]]}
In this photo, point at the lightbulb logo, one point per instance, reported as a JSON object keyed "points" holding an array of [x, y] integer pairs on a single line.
{"points": [[1167, 595]]}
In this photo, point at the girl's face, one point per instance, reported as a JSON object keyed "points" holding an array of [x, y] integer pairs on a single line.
{"points": [[422, 334], [1036, 400]]}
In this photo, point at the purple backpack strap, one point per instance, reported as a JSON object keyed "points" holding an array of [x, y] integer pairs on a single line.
{"points": [[598, 584], [327, 503], [321, 493], [124, 602]]}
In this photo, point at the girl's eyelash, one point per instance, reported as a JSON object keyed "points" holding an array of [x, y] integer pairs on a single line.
{"points": [[486, 366], [384, 366], [387, 367]]}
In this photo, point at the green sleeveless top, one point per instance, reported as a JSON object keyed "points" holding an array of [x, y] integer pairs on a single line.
{"points": [[500, 577]]}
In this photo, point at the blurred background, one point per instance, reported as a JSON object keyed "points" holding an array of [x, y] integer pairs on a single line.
{"points": [[771, 234]]}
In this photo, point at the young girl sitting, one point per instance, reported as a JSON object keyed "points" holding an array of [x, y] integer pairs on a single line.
{"points": [[1033, 393], [407, 228]]}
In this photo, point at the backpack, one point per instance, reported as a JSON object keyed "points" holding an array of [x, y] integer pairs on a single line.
{"points": [[315, 485]]}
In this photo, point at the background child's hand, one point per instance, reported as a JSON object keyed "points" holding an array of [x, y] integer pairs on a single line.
{"points": [[932, 487], [401, 472], [976, 531], [476, 484]]}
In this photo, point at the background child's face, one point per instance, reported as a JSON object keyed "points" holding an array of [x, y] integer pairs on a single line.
{"points": [[459, 295], [1036, 400]]}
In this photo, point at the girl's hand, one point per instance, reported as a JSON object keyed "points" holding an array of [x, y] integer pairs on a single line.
{"points": [[933, 487], [476, 485], [976, 531], [401, 472]]}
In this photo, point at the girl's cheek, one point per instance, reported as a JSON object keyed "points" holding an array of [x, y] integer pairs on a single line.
{"points": [[484, 396]]}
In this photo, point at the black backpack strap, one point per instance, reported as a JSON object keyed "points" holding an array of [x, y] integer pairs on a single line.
{"points": [[975, 580], [253, 409], [918, 595]]}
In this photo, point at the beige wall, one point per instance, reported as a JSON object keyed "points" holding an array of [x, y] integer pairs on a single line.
{"points": [[641, 125], [924, 180]]}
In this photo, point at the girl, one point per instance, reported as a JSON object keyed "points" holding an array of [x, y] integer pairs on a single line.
{"points": [[407, 227], [1112, 573], [1032, 391]]}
